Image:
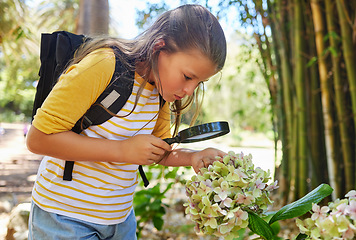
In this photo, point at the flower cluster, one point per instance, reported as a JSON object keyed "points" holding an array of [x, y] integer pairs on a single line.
{"points": [[220, 196], [335, 221]]}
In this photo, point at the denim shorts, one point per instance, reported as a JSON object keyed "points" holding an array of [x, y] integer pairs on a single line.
{"points": [[44, 225]]}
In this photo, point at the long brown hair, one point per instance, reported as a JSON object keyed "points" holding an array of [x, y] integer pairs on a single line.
{"points": [[184, 28]]}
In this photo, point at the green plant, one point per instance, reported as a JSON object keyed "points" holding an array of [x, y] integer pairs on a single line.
{"points": [[231, 195], [148, 201], [149, 206], [292, 210], [335, 221]]}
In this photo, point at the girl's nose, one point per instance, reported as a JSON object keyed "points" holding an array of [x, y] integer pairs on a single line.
{"points": [[189, 89]]}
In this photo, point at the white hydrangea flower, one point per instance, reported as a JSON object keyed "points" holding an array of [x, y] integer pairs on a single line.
{"points": [[337, 221], [220, 195]]}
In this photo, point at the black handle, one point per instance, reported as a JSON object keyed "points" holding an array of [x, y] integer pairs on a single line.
{"points": [[171, 140]]}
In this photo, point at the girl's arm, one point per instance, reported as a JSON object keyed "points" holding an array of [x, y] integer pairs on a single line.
{"points": [[188, 157], [67, 145]]}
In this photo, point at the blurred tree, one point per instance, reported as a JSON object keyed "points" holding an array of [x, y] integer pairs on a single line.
{"points": [[48, 11], [93, 17], [16, 46]]}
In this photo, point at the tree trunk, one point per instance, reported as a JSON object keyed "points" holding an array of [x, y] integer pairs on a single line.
{"points": [[93, 17], [99, 22]]}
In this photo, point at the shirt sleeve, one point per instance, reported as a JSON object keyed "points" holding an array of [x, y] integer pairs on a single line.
{"points": [[163, 125], [77, 89]]}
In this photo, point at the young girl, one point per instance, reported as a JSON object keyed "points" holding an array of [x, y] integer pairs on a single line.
{"points": [[181, 50]]}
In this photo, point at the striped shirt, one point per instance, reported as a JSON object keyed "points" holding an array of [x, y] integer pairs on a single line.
{"points": [[100, 192]]}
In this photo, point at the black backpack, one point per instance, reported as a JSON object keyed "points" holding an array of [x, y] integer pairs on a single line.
{"points": [[57, 49]]}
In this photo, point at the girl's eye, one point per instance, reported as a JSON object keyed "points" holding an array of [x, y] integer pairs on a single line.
{"points": [[187, 78]]}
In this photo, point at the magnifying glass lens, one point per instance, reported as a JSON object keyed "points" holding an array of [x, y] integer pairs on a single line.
{"points": [[203, 136], [200, 133]]}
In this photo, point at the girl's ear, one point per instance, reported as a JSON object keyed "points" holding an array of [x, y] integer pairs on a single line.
{"points": [[160, 43]]}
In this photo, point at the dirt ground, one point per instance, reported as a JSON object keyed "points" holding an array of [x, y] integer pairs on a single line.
{"points": [[18, 169]]}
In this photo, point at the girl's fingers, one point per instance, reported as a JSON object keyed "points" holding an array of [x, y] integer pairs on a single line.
{"points": [[207, 161]]}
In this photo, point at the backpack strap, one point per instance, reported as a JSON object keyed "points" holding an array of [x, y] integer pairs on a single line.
{"points": [[113, 98]]}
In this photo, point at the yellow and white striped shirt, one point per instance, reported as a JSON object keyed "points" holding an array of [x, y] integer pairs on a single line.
{"points": [[100, 192]]}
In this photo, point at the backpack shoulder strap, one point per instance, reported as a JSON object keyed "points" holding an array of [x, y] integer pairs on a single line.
{"points": [[113, 98]]}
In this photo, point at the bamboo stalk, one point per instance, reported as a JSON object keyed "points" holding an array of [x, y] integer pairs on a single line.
{"points": [[340, 102], [350, 60], [325, 97], [289, 157], [293, 166], [301, 99], [281, 174], [316, 143], [316, 139]]}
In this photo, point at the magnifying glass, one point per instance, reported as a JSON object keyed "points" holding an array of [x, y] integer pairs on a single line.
{"points": [[200, 133], [194, 134]]}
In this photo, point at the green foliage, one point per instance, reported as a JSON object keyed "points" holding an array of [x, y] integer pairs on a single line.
{"points": [[148, 204], [301, 237], [239, 93], [259, 226], [68, 10], [20, 30], [17, 81], [292, 210], [149, 207], [148, 15], [303, 205]]}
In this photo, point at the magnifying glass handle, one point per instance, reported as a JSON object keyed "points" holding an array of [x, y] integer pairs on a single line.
{"points": [[170, 140]]}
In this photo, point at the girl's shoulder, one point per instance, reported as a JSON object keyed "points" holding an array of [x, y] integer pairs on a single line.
{"points": [[102, 57], [102, 52]]}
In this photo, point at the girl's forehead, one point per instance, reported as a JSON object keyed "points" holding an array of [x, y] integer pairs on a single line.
{"points": [[195, 54], [197, 64]]}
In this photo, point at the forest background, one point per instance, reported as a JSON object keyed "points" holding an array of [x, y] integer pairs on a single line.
{"points": [[290, 74]]}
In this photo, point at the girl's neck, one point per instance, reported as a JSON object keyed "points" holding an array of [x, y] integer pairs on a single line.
{"points": [[141, 70]]}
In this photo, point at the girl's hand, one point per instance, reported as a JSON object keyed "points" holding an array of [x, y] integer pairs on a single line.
{"points": [[143, 149], [205, 158]]}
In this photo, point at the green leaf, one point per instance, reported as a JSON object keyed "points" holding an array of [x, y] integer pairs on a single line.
{"points": [[259, 226], [158, 222], [301, 236], [276, 227], [312, 61], [303, 205], [169, 186], [333, 51]]}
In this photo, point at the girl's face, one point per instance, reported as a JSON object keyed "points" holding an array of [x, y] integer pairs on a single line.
{"points": [[181, 72]]}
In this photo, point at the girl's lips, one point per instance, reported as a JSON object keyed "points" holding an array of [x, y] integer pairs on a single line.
{"points": [[178, 97]]}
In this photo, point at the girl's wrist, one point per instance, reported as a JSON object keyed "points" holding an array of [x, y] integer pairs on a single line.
{"points": [[120, 150]]}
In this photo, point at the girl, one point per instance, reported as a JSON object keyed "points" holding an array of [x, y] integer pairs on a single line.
{"points": [[181, 50]]}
